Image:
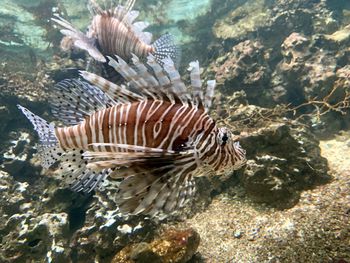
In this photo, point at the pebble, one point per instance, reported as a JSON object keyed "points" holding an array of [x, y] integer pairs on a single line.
{"points": [[237, 234], [348, 143]]}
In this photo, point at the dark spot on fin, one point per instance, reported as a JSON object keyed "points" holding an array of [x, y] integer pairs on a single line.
{"points": [[76, 174], [72, 100]]}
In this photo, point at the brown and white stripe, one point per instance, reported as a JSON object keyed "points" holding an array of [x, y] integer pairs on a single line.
{"points": [[160, 133], [171, 124], [117, 36]]}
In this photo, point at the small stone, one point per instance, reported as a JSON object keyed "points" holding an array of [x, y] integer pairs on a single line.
{"points": [[237, 234], [348, 143]]}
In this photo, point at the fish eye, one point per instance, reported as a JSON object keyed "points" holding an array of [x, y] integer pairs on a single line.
{"points": [[223, 137]]}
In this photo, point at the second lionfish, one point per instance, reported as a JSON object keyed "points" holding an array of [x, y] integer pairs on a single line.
{"points": [[114, 32], [155, 134]]}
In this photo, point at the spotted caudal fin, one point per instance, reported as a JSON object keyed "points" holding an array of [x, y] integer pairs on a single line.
{"points": [[49, 150], [72, 167], [165, 47]]}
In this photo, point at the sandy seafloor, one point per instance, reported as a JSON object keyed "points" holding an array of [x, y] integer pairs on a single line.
{"points": [[317, 229]]}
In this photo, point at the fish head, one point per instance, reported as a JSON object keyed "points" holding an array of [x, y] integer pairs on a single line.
{"points": [[233, 156]]}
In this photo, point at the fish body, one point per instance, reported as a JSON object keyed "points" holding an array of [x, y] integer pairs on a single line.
{"points": [[155, 138], [114, 32], [148, 123], [118, 37]]}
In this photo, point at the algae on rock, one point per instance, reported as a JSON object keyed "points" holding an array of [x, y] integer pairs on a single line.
{"points": [[245, 19]]}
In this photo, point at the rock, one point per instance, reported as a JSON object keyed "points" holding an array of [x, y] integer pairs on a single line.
{"points": [[294, 58], [102, 230], [243, 20], [27, 229], [15, 18], [341, 36], [313, 72], [244, 68], [283, 158], [172, 245], [237, 234], [312, 69]]}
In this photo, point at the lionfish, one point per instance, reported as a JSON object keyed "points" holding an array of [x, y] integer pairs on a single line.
{"points": [[114, 32], [154, 134]]}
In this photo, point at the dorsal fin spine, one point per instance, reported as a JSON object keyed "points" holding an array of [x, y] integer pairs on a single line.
{"points": [[158, 71], [94, 8], [209, 94], [117, 93], [196, 83], [178, 87]]}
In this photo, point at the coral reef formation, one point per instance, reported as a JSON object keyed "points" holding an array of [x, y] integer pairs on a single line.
{"points": [[172, 245], [274, 61], [245, 68], [246, 18], [283, 159]]}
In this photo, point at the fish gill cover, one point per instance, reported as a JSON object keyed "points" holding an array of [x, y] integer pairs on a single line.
{"points": [[282, 90]]}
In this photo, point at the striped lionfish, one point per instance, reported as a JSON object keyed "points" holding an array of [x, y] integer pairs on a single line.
{"points": [[154, 134], [114, 32]]}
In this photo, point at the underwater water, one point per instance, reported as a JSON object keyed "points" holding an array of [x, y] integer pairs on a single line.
{"points": [[125, 149]]}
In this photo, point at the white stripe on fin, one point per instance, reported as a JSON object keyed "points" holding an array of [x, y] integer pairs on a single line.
{"points": [[178, 87], [72, 100], [145, 37], [143, 72], [133, 14], [122, 12], [209, 94], [158, 194], [132, 77], [127, 72], [196, 82], [80, 40], [139, 26], [117, 93], [158, 71], [94, 8]]}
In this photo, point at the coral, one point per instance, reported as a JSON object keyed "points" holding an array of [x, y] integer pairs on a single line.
{"points": [[283, 156], [245, 19], [103, 231], [244, 68], [289, 55], [173, 245], [25, 228]]}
